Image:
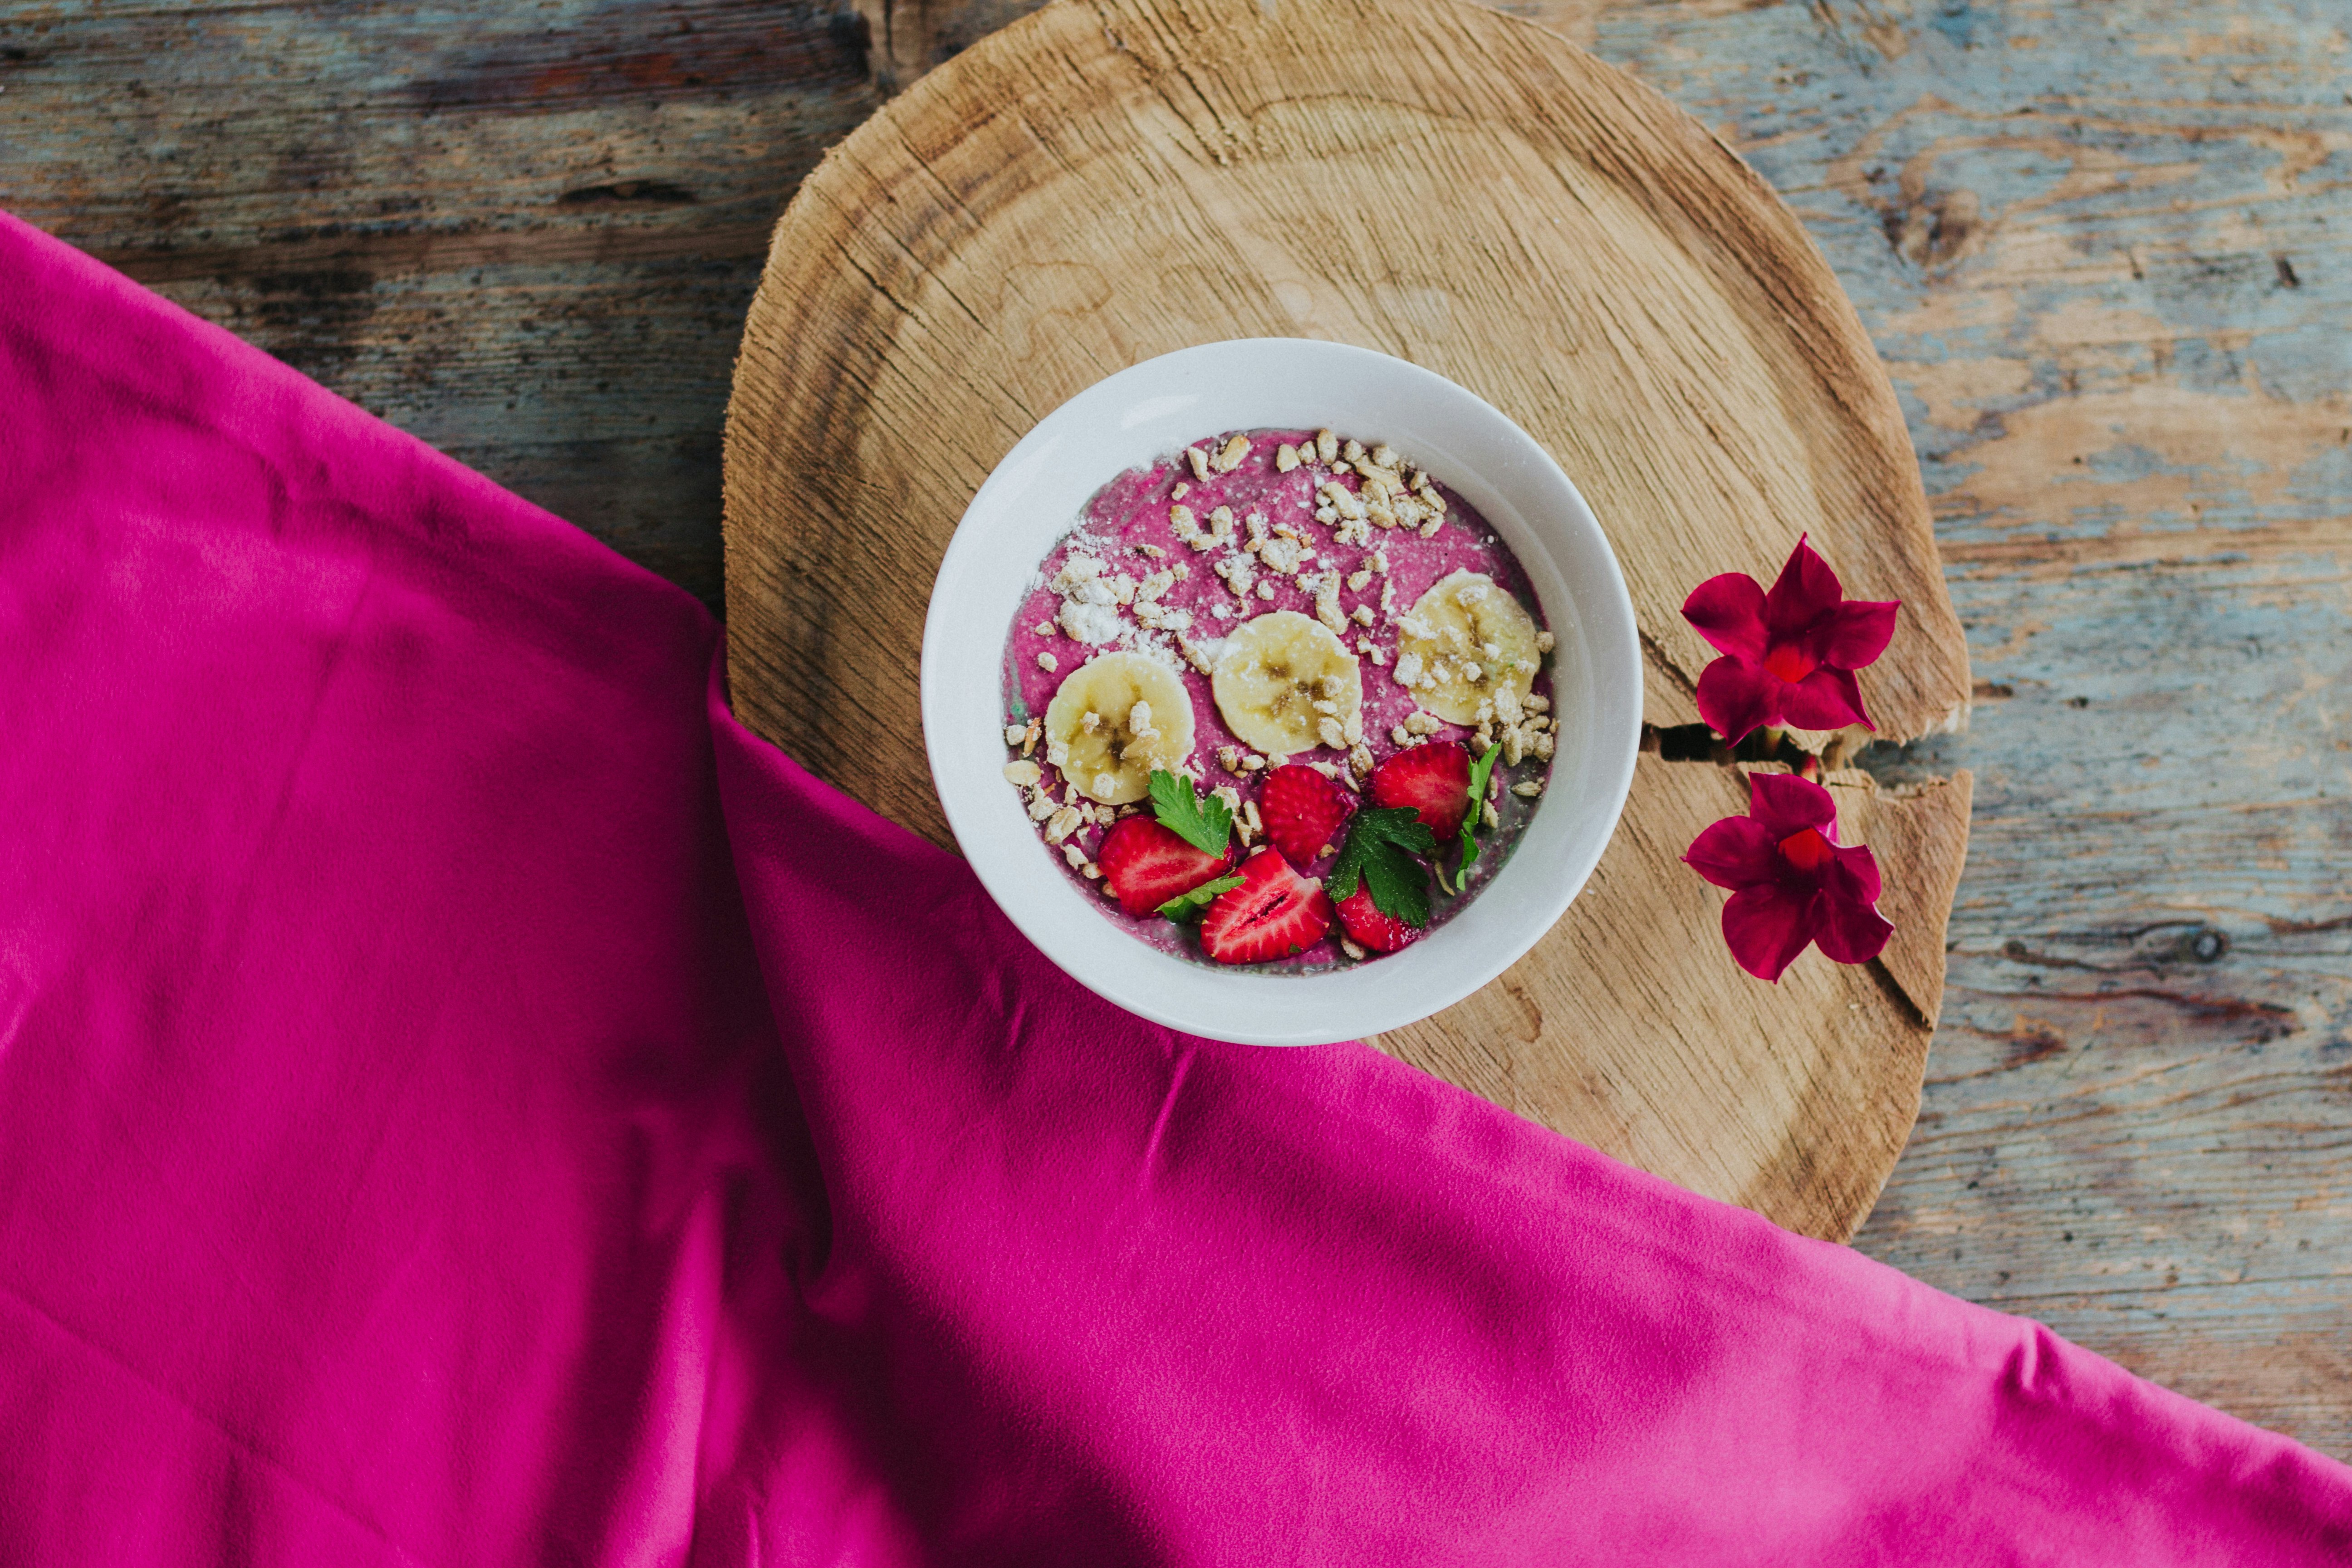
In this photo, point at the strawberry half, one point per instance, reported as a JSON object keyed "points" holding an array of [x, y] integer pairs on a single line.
{"points": [[1435, 779], [1274, 913], [1303, 812], [1364, 921], [1146, 865]]}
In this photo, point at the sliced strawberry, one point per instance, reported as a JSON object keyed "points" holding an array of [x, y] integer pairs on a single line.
{"points": [[1435, 779], [1364, 921], [1303, 812], [1146, 865], [1275, 912]]}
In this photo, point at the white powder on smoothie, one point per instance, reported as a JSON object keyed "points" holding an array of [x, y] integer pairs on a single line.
{"points": [[1089, 623]]}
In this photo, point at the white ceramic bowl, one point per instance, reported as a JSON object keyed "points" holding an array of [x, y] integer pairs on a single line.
{"points": [[1147, 413]]}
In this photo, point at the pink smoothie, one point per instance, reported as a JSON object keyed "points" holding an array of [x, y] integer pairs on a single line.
{"points": [[1130, 518]]}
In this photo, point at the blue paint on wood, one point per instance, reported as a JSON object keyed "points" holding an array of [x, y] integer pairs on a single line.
{"points": [[2104, 250]]}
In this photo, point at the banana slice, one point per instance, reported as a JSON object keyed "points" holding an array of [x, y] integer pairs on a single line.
{"points": [[1467, 650], [1112, 720], [1286, 685]]}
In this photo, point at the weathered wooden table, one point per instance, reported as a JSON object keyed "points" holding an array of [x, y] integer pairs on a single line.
{"points": [[2105, 246]]}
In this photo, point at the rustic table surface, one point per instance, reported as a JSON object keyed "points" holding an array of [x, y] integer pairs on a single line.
{"points": [[2103, 246]]}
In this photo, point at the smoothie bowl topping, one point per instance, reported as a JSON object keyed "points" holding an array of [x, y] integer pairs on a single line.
{"points": [[1282, 699]]}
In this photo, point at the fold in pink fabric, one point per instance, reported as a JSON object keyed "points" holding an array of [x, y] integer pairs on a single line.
{"points": [[463, 1100]]}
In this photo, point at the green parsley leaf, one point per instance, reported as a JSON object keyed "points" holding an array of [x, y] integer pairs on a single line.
{"points": [[1474, 819], [1188, 906], [1371, 826], [1198, 820], [1399, 884], [1380, 850]]}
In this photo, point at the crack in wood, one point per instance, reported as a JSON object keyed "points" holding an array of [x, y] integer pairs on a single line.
{"points": [[977, 168], [395, 253]]}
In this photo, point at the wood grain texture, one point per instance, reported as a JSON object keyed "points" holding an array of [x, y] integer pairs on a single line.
{"points": [[2106, 251], [1106, 182], [526, 235], [1794, 1103], [2136, 1106]]}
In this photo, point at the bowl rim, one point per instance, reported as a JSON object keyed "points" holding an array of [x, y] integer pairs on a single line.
{"points": [[1201, 385]]}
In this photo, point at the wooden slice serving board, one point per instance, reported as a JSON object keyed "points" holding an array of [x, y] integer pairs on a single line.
{"points": [[1108, 180]]}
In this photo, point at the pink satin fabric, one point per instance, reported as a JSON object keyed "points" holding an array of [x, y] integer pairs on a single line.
{"points": [[465, 1101]]}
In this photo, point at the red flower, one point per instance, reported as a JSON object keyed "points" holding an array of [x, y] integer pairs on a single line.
{"points": [[1789, 655], [1792, 882]]}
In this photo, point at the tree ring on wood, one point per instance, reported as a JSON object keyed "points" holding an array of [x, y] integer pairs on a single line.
{"points": [[1100, 183]]}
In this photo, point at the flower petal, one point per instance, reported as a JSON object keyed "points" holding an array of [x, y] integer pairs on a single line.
{"points": [[1856, 633], [1767, 926], [1857, 876], [1826, 699], [1853, 930], [1736, 697], [1728, 611], [1805, 591], [1852, 933], [1784, 804], [1737, 852]]}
